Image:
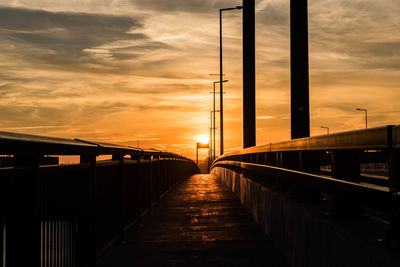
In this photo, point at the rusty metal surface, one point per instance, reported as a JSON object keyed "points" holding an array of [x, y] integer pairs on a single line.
{"points": [[201, 224]]}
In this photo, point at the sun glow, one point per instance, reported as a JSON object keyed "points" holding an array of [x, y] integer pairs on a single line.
{"points": [[203, 139]]}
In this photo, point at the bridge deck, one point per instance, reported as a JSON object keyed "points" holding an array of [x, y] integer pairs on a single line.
{"points": [[201, 224]]}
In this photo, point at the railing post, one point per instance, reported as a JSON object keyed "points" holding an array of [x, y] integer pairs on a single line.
{"points": [[394, 184], [23, 218], [169, 174], [150, 180], [346, 164], [310, 161], [394, 170], [158, 178], [140, 188], [86, 228], [290, 160], [122, 176], [271, 158]]}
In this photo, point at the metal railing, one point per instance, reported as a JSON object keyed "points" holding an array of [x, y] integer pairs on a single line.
{"points": [[67, 215], [338, 166]]}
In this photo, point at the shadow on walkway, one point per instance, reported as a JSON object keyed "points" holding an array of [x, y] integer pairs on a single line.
{"points": [[200, 224]]}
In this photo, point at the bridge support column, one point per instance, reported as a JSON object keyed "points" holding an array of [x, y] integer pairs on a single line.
{"points": [[300, 111], [249, 74]]}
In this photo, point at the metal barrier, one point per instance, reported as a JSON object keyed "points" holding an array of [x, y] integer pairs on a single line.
{"points": [[67, 215], [335, 166]]}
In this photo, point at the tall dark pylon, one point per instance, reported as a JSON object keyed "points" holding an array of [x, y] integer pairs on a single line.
{"points": [[300, 107], [249, 74]]}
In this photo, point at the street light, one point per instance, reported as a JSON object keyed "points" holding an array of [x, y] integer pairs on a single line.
{"points": [[325, 127], [366, 115], [200, 145], [224, 81], [221, 74], [214, 128], [211, 137]]}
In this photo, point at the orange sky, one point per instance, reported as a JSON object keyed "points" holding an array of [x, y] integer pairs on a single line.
{"points": [[121, 70]]}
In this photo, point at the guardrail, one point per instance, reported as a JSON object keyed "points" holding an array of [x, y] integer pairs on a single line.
{"points": [[335, 165], [67, 215]]}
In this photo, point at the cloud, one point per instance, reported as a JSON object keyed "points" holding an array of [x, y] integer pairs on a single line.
{"points": [[355, 34], [65, 38], [265, 117], [191, 6], [273, 13]]}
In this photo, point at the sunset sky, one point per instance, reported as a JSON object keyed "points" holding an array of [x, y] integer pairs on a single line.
{"points": [[119, 70]]}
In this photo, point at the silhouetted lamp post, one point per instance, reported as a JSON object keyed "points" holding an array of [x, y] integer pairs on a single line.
{"points": [[221, 74], [366, 115], [211, 136], [325, 127], [213, 140], [224, 81], [200, 145]]}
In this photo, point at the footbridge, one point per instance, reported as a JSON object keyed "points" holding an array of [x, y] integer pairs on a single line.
{"points": [[328, 200]]}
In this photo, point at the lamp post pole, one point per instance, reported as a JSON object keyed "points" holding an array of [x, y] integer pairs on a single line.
{"points": [[197, 154], [325, 127], [214, 111], [214, 128], [210, 143], [366, 115], [221, 76]]}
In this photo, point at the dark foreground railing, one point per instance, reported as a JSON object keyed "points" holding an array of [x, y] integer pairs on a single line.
{"points": [[67, 215], [358, 171]]}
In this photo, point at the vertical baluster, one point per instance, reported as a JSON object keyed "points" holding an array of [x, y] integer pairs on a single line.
{"points": [[71, 233], [44, 262], [46, 243], [41, 243], [57, 243], [54, 254], [4, 240], [71, 244], [60, 240], [74, 232], [67, 233], [62, 243], [51, 243]]}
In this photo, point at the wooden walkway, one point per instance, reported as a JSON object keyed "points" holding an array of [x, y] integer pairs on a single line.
{"points": [[200, 224]]}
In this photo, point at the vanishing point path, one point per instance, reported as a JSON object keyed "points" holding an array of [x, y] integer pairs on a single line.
{"points": [[201, 224]]}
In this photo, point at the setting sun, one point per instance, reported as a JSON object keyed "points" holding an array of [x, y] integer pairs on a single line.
{"points": [[204, 139]]}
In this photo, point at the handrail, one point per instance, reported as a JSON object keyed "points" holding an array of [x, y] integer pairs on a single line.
{"points": [[343, 150], [372, 138], [332, 165], [72, 213], [26, 144]]}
